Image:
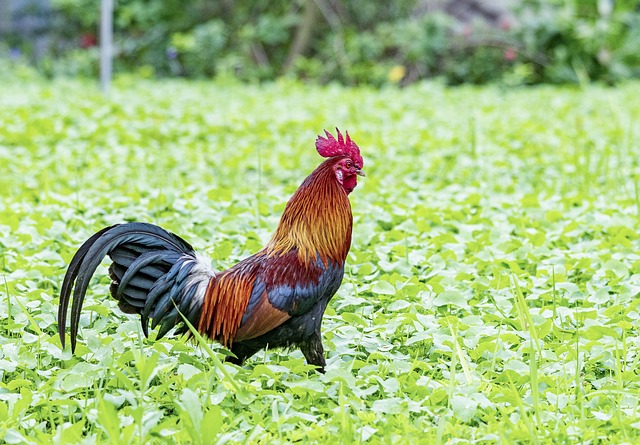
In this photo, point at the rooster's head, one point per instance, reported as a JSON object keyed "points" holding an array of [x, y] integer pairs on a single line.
{"points": [[348, 162]]}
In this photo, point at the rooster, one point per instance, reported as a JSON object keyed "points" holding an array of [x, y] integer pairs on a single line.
{"points": [[274, 298]]}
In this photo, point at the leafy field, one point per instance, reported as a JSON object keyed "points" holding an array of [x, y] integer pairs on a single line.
{"points": [[491, 294]]}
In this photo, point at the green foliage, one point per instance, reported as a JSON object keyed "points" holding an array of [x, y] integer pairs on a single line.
{"points": [[579, 43], [356, 42], [491, 294]]}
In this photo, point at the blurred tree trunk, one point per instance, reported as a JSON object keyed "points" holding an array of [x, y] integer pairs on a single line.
{"points": [[301, 40]]}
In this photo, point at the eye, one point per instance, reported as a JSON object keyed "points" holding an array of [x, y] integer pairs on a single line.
{"points": [[348, 164]]}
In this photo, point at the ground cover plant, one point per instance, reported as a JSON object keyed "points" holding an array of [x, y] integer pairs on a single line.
{"points": [[491, 293]]}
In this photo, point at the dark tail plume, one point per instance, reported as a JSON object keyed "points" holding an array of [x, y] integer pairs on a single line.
{"points": [[154, 273]]}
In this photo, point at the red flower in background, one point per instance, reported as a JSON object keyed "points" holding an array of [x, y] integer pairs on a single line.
{"points": [[505, 24], [87, 40], [510, 54]]}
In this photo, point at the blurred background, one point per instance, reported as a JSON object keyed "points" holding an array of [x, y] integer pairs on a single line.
{"points": [[352, 42]]}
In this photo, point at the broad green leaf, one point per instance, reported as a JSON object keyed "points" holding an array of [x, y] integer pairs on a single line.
{"points": [[450, 297], [383, 287]]}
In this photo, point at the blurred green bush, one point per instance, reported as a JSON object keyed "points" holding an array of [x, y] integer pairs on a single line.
{"points": [[355, 41]]}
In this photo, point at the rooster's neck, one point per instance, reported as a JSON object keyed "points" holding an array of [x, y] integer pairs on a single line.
{"points": [[317, 219]]}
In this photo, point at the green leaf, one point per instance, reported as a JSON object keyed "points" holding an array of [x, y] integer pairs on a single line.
{"points": [[383, 287], [187, 371], [191, 411], [617, 267], [304, 386], [450, 297], [464, 408], [398, 305], [211, 422], [390, 405]]}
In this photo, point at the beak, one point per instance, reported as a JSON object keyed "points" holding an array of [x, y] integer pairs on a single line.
{"points": [[359, 172]]}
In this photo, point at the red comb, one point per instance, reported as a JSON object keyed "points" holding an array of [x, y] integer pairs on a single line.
{"points": [[329, 147]]}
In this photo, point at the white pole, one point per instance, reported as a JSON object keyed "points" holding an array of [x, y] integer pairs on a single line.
{"points": [[106, 43]]}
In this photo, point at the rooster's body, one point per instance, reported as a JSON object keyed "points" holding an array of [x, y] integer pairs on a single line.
{"points": [[274, 298]]}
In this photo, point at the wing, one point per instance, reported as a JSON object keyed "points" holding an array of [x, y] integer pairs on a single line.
{"points": [[261, 316], [286, 288]]}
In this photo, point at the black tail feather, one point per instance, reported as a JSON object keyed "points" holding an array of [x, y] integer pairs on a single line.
{"points": [[140, 266], [143, 280], [168, 322], [145, 325], [69, 278], [150, 272], [124, 256]]}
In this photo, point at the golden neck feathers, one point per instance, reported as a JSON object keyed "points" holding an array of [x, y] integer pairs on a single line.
{"points": [[317, 219]]}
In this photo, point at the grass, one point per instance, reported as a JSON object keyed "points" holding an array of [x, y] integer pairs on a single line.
{"points": [[491, 294]]}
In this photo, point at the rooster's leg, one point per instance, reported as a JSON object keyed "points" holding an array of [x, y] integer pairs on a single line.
{"points": [[314, 352]]}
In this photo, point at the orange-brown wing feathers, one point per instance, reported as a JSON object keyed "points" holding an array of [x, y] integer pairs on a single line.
{"points": [[226, 299], [262, 319], [261, 293]]}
